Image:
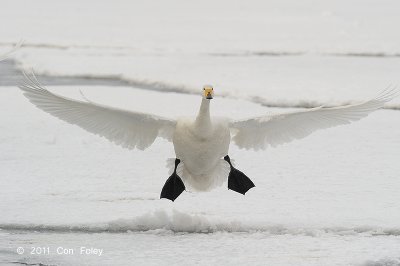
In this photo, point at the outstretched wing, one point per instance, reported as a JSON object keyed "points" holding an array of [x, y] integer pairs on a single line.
{"points": [[260, 132], [125, 128]]}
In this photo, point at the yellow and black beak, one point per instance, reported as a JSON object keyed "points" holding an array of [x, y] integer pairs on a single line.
{"points": [[208, 92]]}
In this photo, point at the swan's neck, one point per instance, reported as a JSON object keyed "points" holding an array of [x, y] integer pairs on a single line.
{"points": [[203, 119]]}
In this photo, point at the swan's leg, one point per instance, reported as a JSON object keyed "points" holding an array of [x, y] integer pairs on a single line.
{"points": [[238, 181], [174, 185]]}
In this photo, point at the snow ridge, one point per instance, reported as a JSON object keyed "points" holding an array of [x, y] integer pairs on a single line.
{"points": [[161, 222]]}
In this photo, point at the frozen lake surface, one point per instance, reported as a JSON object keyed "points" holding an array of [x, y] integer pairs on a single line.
{"points": [[330, 199]]}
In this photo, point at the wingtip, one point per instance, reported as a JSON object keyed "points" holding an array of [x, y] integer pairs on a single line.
{"points": [[388, 94]]}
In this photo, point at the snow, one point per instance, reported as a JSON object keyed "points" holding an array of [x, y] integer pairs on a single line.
{"points": [[223, 26], [330, 199], [339, 185], [295, 81], [278, 53]]}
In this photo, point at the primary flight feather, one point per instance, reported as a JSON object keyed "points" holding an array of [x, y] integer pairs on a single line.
{"points": [[202, 143], [125, 128], [260, 132]]}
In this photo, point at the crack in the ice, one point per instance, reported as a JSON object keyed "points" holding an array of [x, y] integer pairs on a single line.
{"points": [[117, 80]]}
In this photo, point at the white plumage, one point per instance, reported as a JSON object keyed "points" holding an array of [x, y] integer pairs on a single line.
{"points": [[125, 128], [201, 142], [260, 132]]}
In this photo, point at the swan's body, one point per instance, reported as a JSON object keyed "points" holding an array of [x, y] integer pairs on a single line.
{"points": [[201, 143]]}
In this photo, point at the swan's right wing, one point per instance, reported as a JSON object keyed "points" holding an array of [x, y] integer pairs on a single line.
{"points": [[125, 128]]}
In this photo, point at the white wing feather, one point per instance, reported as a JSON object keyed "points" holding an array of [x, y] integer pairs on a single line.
{"points": [[125, 128], [261, 132]]}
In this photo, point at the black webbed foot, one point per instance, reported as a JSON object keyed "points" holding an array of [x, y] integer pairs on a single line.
{"points": [[238, 181], [173, 186]]}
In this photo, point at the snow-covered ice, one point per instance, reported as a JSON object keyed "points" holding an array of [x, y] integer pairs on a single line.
{"points": [[337, 187], [330, 199]]}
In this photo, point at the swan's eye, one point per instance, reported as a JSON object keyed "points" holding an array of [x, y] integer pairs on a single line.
{"points": [[204, 89]]}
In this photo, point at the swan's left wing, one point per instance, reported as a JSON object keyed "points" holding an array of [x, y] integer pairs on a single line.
{"points": [[122, 127], [261, 132]]}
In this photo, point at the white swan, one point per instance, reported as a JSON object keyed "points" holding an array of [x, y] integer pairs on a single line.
{"points": [[201, 143]]}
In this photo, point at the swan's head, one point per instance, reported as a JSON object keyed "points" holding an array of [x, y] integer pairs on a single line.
{"points": [[208, 92]]}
